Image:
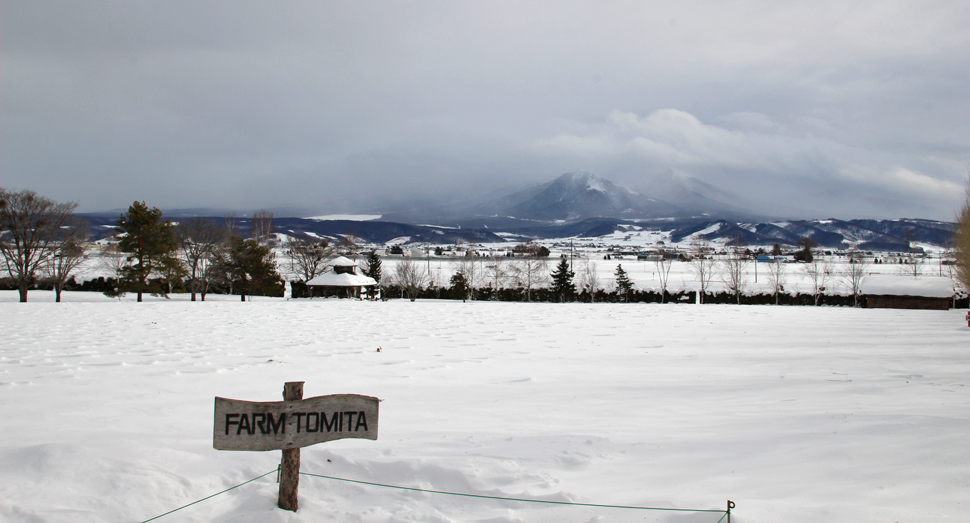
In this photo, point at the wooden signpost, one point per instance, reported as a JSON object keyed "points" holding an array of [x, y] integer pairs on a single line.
{"points": [[291, 424]]}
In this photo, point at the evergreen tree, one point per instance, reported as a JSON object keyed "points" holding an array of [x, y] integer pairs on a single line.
{"points": [[373, 269], [623, 284], [249, 268], [459, 285], [562, 281], [150, 245]]}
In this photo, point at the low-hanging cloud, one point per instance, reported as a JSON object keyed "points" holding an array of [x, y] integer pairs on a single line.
{"points": [[751, 154], [848, 109]]}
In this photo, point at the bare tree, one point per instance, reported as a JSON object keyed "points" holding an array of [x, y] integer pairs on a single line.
{"points": [[961, 239], [702, 262], [230, 219], [471, 272], [411, 277], [854, 271], [818, 272], [914, 257], [198, 239], [68, 256], [946, 258], [529, 273], [588, 278], [261, 227], [913, 264], [112, 261], [496, 273], [30, 230], [777, 277], [663, 264], [308, 256], [734, 265]]}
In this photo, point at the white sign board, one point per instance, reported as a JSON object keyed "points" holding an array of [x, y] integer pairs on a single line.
{"points": [[278, 425]]}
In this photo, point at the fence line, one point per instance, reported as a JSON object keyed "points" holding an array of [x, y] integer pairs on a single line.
{"points": [[523, 500], [725, 513], [212, 496]]}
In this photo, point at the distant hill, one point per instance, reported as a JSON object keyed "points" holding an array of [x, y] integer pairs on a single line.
{"points": [[371, 231], [874, 235], [582, 204], [579, 195]]}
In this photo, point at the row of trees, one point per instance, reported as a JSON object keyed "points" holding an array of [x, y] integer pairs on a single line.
{"points": [[157, 254], [42, 240], [528, 273], [733, 269], [531, 274]]}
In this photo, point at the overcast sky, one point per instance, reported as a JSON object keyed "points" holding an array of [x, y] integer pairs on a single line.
{"points": [[819, 109]]}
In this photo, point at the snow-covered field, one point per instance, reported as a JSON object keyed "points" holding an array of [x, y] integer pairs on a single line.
{"points": [[795, 413], [351, 217]]}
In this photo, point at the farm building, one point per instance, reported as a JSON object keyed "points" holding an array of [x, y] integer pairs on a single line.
{"points": [[905, 292]]}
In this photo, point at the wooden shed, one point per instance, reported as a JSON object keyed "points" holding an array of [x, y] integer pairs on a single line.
{"points": [[906, 292]]}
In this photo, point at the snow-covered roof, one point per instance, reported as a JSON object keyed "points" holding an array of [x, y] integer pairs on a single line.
{"points": [[332, 279], [924, 287], [341, 261]]}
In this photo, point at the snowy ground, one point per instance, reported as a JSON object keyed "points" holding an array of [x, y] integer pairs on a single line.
{"points": [[795, 413]]}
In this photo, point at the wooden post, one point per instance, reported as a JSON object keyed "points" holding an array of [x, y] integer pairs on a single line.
{"points": [[290, 468]]}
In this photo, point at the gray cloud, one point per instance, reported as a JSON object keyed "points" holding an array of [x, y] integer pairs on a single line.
{"points": [[842, 110], [774, 166]]}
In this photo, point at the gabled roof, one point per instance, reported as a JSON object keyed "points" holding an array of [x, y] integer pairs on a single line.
{"points": [[924, 287], [332, 279], [341, 261]]}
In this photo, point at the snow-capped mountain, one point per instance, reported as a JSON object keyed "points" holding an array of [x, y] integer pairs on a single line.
{"points": [[578, 195]]}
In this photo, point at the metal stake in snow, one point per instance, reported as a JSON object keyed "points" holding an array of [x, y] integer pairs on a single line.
{"points": [[290, 424]]}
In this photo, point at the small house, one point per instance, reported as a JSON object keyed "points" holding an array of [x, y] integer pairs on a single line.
{"points": [[883, 291], [342, 280]]}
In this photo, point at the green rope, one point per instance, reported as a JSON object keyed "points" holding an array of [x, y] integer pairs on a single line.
{"points": [[510, 499], [412, 489], [212, 496]]}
